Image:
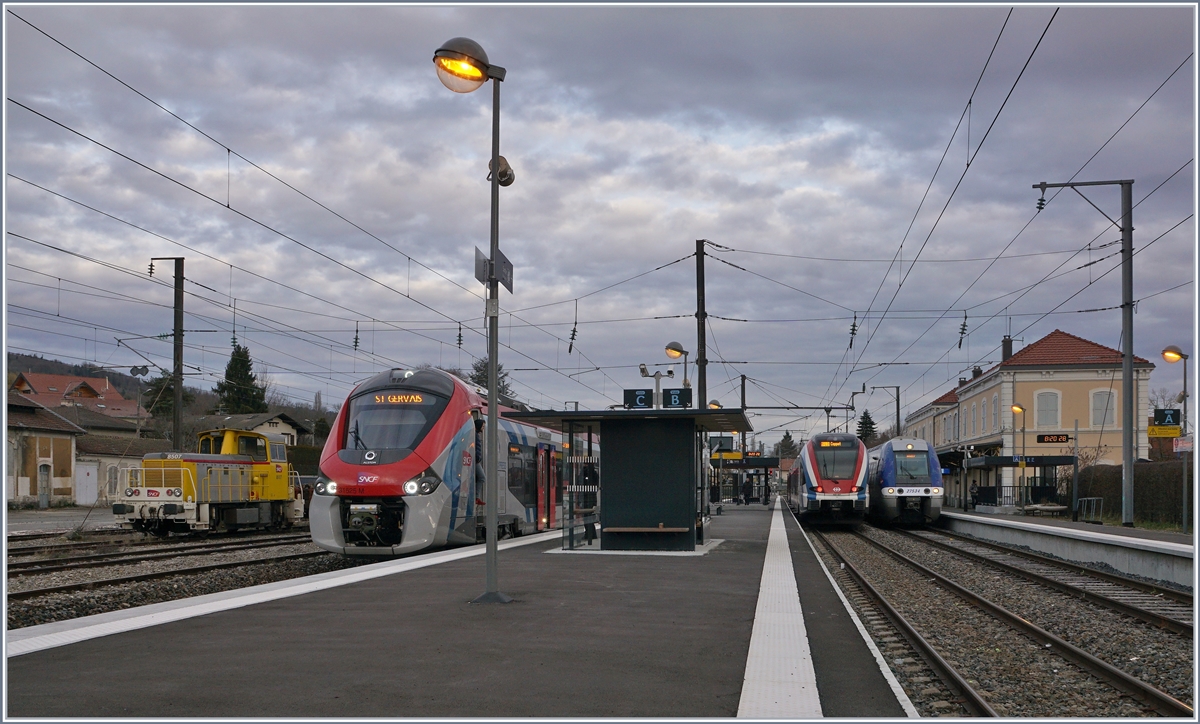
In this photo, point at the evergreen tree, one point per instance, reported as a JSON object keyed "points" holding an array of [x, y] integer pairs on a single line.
{"points": [[866, 428], [786, 449], [159, 396], [239, 393], [479, 376], [317, 404]]}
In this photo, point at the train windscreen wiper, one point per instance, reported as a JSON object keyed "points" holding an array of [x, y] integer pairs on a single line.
{"points": [[358, 442]]}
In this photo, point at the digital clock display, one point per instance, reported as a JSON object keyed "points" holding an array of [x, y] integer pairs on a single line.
{"points": [[1054, 438], [396, 398]]}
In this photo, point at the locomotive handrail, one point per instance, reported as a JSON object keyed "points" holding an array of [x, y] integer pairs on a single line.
{"points": [[142, 477]]}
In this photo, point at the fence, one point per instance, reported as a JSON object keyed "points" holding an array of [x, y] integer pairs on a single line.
{"points": [[1018, 495]]}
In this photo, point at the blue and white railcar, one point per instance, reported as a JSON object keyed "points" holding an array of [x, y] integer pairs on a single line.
{"points": [[905, 482], [828, 480]]}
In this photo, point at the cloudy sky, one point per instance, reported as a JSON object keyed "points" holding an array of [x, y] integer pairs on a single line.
{"points": [[868, 165]]}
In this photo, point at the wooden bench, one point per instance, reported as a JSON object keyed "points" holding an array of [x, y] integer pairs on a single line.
{"points": [[637, 529]]}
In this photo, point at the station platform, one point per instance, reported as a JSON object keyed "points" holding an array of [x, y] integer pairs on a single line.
{"points": [[1152, 554], [751, 626]]}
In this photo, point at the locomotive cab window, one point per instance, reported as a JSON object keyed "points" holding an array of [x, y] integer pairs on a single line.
{"points": [[255, 447], [205, 445], [837, 458], [912, 465], [394, 419], [278, 452]]}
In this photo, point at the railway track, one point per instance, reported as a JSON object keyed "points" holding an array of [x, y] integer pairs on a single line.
{"points": [[904, 645], [131, 538], [1166, 608], [64, 563], [1016, 666], [155, 575]]}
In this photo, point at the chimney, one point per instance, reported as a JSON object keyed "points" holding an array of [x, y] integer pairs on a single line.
{"points": [[977, 372], [1006, 348], [962, 381]]}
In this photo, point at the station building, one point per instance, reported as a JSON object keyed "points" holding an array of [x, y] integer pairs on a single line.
{"points": [[1058, 380]]}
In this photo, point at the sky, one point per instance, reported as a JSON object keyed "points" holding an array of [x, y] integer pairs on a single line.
{"points": [[855, 168]]}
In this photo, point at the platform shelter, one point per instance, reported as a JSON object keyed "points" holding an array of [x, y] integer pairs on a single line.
{"points": [[651, 470]]}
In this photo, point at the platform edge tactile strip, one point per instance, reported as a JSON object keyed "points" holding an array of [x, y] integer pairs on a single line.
{"points": [[780, 680]]}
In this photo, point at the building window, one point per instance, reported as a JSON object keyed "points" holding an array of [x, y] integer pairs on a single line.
{"points": [[1104, 405], [1046, 404], [974, 419], [995, 412], [983, 418], [957, 429]]}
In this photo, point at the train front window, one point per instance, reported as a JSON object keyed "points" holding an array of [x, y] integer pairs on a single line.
{"points": [[391, 419], [912, 465], [837, 464]]}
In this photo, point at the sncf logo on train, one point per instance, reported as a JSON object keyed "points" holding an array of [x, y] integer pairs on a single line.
{"points": [[398, 399], [367, 478]]}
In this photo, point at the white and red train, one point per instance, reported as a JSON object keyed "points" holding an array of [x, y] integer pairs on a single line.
{"points": [[402, 469], [828, 481]]}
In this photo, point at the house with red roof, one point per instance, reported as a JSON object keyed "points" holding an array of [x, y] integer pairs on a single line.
{"points": [[40, 459], [94, 393], [1059, 381]]}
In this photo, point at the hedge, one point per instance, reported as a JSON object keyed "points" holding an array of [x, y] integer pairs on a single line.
{"points": [[1157, 489]]}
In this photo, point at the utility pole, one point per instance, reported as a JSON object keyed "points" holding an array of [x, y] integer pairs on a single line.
{"points": [[177, 377], [1128, 440], [897, 389], [701, 320], [743, 412]]}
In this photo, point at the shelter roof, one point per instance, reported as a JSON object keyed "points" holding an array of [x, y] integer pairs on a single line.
{"points": [[733, 420]]}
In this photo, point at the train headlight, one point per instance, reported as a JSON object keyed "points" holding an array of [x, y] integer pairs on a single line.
{"points": [[891, 491], [937, 491], [423, 484], [128, 492]]}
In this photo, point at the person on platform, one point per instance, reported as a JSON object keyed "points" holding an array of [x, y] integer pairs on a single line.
{"points": [[747, 491], [974, 494]]}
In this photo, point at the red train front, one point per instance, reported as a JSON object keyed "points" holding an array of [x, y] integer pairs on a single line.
{"points": [[401, 470]]}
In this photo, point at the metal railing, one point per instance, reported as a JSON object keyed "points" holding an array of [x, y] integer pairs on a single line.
{"points": [[1091, 510]]}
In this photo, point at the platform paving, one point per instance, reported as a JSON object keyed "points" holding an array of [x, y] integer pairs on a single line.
{"points": [[586, 636]]}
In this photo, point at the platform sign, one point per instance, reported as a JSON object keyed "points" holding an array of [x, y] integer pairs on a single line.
{"points": [[639, 399], [675, 399], [1168, 417], [1164, 430], [1054, 438], [1183, 444], [735, 455], [504, 269]]}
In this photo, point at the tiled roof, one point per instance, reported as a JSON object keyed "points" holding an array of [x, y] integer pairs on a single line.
{"points": [[25, 414], [248, 421], [90, 419], [133, 447], [42, 382], [1060, 348], [949, 398]]}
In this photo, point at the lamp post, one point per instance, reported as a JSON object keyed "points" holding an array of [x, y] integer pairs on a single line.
{"points": [[1173, 354], [1020, 409], [675, 350], [463, 66]]}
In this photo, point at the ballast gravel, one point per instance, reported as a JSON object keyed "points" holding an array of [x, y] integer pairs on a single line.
{"points": [[65, 606]]}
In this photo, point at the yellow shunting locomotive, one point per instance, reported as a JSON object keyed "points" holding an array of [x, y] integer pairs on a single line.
{"points": [[237, 479]]}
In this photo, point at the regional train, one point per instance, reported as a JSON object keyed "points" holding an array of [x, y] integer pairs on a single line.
{"points": [[905, 481], [828, 480], [238, 479], [402, 470]]}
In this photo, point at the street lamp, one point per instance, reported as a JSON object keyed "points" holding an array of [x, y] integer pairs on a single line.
{"points": [[1018, 408], [463, 66], [675, 350], [714, 405], [1173, 354]]}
